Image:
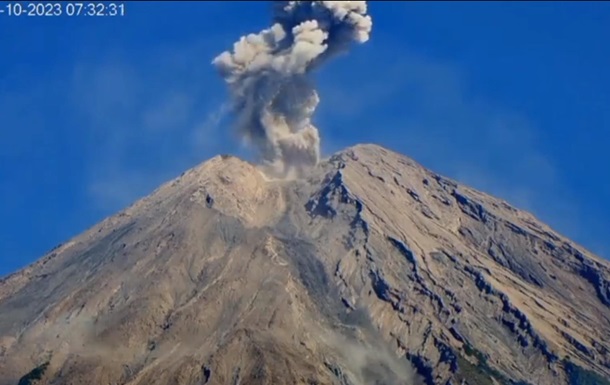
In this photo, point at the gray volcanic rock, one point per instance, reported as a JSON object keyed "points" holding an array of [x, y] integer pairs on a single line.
{"points": [[369, 270]]}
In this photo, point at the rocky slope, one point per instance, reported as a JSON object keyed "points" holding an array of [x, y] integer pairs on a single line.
{"points": [[370, 270]]}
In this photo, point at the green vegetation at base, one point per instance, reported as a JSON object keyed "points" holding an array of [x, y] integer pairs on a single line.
{"points": [[480, 373], [473, 374], [580, 376], [34, 375]]}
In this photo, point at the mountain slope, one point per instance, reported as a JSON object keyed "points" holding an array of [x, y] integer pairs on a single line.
{"points": [[370, 269]]}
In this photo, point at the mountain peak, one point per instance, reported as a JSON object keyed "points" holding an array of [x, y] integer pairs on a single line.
{"points": [[368, 268]]}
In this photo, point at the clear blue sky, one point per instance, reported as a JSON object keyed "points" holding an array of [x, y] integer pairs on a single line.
{"points": [[512, 98]]}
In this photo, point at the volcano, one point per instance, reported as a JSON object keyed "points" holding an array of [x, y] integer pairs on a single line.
{"points": [[371, 269]]}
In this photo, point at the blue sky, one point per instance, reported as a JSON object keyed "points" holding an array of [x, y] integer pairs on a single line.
{"points": [[511, 98]]}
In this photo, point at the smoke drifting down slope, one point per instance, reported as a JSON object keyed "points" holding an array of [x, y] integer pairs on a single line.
{"points": [[268, 76]]}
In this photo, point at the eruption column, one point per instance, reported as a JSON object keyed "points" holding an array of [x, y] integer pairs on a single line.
{"points": [[268, 76]]}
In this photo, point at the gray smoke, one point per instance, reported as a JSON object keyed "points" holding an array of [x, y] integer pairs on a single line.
{"points": [[267, 74]]}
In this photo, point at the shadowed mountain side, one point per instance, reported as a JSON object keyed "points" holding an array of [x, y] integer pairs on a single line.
{"points": [[366, 271]]}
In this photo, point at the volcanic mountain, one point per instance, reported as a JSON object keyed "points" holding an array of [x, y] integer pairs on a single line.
{"points": [[370, 269]]}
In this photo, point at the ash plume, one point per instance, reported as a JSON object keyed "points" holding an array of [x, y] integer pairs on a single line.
{"points": [[268, 77]]}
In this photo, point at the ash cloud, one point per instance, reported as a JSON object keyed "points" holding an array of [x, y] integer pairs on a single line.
{"points": [[267, 74]]}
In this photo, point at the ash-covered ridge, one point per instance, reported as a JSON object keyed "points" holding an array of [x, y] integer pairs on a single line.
{"points": [[369, 268]]}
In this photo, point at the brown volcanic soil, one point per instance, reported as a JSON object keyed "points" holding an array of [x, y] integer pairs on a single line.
{"points": [[366, 271]]}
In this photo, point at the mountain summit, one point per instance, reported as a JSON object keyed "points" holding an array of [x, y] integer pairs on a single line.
{"points": [[371, 270]]}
